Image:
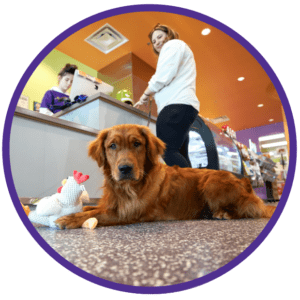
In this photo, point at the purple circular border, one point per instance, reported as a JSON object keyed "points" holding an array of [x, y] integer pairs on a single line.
{"points": [[132, 9]]}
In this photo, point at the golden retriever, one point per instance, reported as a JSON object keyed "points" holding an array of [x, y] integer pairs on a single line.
{"points": [[138, 187]]}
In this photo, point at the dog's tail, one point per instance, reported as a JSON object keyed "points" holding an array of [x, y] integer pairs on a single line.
{"points": [[268, 211], [254, 207]]}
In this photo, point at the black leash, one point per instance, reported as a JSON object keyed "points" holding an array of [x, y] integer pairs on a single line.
{"points": [[149, 115]]}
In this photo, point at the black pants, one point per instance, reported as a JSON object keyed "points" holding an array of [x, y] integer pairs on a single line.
{"points": [[172, 127]]}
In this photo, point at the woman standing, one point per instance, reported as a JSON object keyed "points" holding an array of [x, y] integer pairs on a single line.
{"points": [[173, 87], [51, 102]]}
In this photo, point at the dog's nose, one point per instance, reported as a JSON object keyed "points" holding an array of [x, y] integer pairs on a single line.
{"points": [[125, 169]]}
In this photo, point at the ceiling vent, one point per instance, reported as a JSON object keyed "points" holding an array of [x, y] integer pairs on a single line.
{"points": [[220, 119], [106, 39]]}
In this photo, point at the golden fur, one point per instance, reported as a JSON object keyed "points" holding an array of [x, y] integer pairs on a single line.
{"points": [[138, 187]]}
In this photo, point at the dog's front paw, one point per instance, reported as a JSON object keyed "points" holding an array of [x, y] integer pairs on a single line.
{"points": [[221, 215], [68, 222]]}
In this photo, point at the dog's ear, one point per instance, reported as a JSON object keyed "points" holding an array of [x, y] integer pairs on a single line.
{"points": [[96, 149], [155, 147]]}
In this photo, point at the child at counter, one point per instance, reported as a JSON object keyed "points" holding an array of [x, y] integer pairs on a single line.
{"points": [[51, 102]]}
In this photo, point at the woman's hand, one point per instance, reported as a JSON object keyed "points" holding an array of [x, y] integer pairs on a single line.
{"points": [[143, 100]]}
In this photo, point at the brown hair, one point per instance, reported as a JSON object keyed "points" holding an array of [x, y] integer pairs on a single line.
{"points": [[68, 68], [171, 34]]}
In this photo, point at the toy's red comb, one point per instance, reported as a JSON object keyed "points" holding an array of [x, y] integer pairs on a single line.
{"points": [[79, 177]]}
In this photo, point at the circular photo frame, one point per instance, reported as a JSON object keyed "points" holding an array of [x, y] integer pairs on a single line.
{"points": [[140, 289]]}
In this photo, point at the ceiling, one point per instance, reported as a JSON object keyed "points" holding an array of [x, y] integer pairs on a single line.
{"points": [[219, 58]]}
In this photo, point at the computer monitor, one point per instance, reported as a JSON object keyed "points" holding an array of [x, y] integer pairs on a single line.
{"points": [[84, 84]]}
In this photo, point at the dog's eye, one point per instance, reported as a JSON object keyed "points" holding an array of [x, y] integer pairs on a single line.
{"points": [[136, 144], [113, 146]]}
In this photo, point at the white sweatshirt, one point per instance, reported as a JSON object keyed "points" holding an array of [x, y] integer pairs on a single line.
{"points": [[174, 81]]}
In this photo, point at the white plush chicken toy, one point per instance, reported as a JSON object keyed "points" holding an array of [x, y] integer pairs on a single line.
{"points": [[65, 202]]}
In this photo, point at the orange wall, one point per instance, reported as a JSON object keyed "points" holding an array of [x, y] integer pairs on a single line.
{"points": [[141, 74]]}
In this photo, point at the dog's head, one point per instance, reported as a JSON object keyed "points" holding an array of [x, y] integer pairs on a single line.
{"points": [[126, 151]]}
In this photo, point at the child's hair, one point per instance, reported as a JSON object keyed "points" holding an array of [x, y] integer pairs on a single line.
{"points": [[171, 34], [68, 68]]}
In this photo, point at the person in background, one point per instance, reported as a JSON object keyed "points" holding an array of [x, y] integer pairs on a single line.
{"points": [[52, 100], [173, 86]]}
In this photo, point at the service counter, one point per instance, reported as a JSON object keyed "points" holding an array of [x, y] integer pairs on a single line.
{"points": [[102, 111], [46, 149]]}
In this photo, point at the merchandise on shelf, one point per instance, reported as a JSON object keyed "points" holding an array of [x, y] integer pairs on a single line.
{"points": [[267, 167], [229, 131]]}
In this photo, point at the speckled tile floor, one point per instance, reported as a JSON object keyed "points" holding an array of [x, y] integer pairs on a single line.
{"points": [[154, 254]]}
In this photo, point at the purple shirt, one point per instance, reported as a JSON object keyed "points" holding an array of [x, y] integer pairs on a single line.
{"points": [[51, 98]]}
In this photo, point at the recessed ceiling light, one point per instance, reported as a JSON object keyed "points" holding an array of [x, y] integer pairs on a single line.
{"points": [[241, 78], [205, 31], [271, 120], [260, 105]]}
